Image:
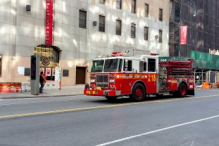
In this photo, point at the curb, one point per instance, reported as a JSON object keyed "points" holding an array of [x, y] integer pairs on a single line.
{"points": [[39, 96]]}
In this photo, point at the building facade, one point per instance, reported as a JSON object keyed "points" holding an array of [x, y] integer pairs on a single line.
{"points": [[80, 31], [203, 29]]}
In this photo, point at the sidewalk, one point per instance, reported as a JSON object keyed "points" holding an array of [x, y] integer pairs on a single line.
{"points": [[65, 91]]}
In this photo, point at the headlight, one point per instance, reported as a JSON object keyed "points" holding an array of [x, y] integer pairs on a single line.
{"points": [[112, 80], [92, 80]]}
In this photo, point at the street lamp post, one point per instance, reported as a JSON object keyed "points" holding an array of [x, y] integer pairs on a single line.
{"points": [[180, 21]]}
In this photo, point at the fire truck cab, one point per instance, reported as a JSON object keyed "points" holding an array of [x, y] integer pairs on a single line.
{"points": [[136, 77]]}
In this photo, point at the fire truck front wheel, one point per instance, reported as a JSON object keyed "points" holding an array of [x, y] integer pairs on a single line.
{"points": [[138, 92]]}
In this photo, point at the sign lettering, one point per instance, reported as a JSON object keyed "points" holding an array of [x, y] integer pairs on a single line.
{"points": [[49, 22]]}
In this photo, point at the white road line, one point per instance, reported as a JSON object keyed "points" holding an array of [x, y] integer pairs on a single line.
{"points": [[155, 131]]}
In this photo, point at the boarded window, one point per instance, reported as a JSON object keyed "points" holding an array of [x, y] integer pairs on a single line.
{"points": [[160, 36], [146, 10], [133, 6], [161, 14], [102, 23], [146, 33], [118, 27], [119, 4], [82, 19], [133, 30], [102, 1], [65, 72]]}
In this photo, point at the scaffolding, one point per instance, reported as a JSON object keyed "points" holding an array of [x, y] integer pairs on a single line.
{"points": [[203, 30]]}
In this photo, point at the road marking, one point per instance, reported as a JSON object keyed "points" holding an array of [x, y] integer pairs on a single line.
{"points": [[98, 107], [156, 131]]}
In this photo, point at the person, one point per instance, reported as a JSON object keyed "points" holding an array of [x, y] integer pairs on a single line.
{"points": [[42, 82]]}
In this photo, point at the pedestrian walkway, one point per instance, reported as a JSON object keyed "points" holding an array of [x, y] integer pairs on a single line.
{"points": [[65, 91]]}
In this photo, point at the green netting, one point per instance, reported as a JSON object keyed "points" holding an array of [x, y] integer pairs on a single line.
{"points": [[202, 60], [205, 60]]}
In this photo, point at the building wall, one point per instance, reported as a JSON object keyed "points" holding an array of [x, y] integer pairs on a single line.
{"points": [[21, 31]]}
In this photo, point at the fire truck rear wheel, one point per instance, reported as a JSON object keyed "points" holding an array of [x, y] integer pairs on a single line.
{"points": [[138, 92], [111, 98], [182, 90]]}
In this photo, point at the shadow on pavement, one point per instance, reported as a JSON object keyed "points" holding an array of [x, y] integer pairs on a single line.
{"points": [[124, 100]]}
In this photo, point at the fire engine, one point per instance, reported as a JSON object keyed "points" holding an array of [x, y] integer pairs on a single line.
{"points": [[136, 77]]}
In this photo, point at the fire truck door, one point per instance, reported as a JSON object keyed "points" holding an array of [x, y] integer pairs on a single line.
{"points": [[152, 79], [128, 77]]}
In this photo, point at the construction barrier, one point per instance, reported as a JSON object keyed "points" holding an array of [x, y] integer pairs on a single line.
{"points": [[17, 87], [205, 85], [10, 87]]}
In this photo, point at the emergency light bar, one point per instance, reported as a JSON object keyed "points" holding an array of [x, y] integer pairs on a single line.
{"points": [[119, 54], [154, 54]]}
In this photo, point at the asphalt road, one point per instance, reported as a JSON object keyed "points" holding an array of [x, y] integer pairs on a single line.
{"points": [[89, 121]]}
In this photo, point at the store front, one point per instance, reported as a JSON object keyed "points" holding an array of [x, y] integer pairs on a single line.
{"points": [[49, 59]]}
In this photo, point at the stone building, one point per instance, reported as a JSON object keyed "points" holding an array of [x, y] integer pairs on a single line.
{"points": [[81, 30]]}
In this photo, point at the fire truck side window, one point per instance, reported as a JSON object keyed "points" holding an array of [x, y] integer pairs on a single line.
{"points": [[143, 66], [151, 65], [120, 65], [129, 67]]}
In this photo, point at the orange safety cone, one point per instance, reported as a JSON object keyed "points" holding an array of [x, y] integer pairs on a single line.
{"points": [[205, 85]]}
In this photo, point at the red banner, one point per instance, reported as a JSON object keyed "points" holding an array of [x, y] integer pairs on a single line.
{"points": [[49, 22], [183, 35]]}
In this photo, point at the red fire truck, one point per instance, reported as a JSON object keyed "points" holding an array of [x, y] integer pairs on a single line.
{"points": [[136, 77]]}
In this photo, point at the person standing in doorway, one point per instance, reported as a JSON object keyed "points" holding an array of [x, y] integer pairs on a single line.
{"points": [[42, 82]]}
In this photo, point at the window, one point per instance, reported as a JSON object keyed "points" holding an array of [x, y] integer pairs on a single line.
{"points": [[146, 33], [120, 65], [160, 36], [65, 73], [146, 10], [143, 66], [97, 66], [118, 27], [133, 30], [161, 14], [111, 65], [133, 6], [127, 65], [102, 1], [151, 65], [119, 4], [82, 19], [102, 23], [26, 71]]}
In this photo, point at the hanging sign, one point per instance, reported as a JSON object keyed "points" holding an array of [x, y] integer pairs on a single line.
{"points": [[183, 35], [49, 22]]}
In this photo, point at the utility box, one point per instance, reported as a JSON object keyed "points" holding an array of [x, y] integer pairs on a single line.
{"points": [[34, 74]]}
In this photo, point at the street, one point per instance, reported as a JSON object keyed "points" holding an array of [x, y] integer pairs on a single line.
{"points": [[86, 120]]}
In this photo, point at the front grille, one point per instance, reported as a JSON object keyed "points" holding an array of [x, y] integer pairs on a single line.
{"points": [[102, 80]]}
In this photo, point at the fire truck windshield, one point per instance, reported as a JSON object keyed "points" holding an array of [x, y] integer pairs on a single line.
{"points": [[111, 65], [97, 66]]}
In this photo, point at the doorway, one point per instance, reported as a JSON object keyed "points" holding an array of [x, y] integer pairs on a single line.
{"points": [[80, 75]]}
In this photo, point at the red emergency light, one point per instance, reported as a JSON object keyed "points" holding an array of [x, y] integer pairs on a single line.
{"points": [[154, 54], [117, 53]]}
